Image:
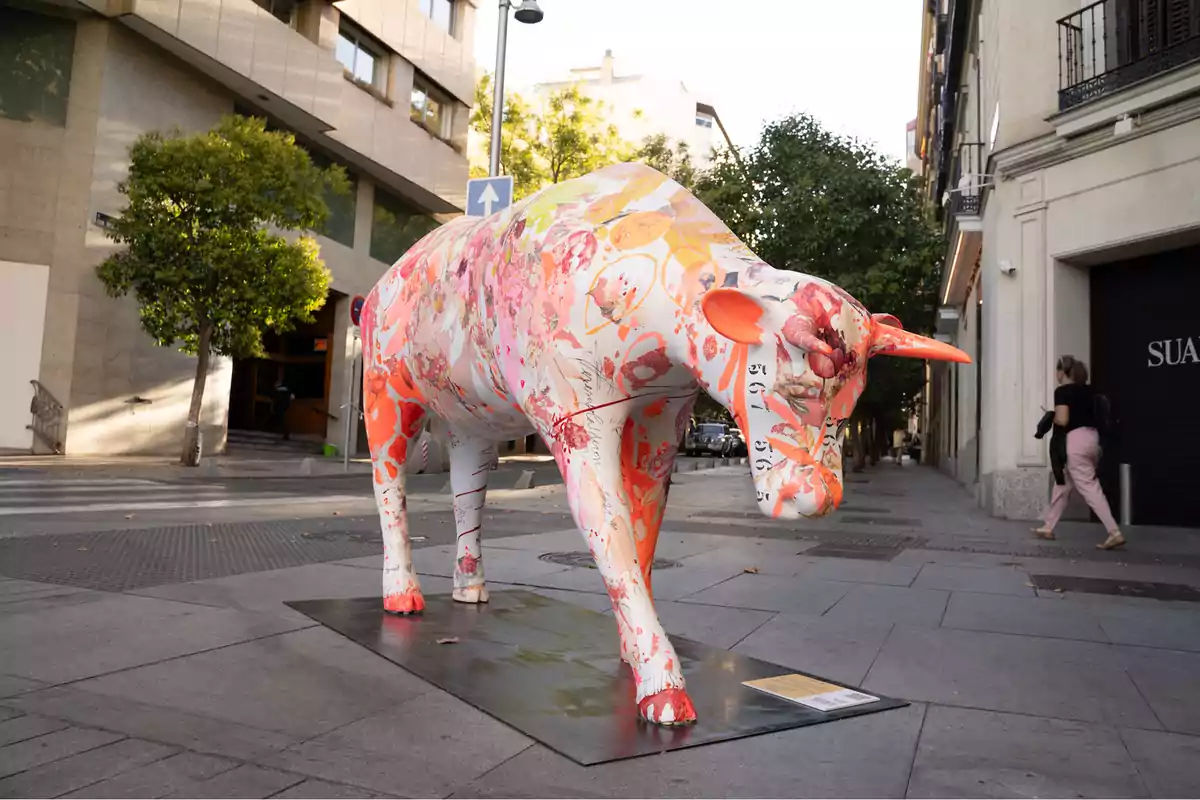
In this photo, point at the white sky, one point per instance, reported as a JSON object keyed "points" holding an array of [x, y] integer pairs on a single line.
{"points": [[852, 64]]}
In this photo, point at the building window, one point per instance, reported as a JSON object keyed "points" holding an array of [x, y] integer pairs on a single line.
{"points": [[704, 122], [282, 10], [429, 107], [395, 227], [339, 225], [36, 52], [441, 12], [362, 58]]}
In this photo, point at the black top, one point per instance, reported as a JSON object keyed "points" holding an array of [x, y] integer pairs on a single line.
{"points": [[1080, 401]]}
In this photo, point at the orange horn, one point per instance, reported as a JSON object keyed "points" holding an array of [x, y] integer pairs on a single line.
{"points": [[889, 341]]}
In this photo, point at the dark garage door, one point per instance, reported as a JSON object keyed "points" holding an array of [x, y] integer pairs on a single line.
{"points": [[1146, 358]]}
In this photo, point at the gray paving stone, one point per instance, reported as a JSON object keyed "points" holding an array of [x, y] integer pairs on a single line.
{"points": [[767, 560], [919, 557], [84, 769], [244, 781], [10, 713], [1170, 682], [988, 580], [840, 651], [713, 625], [426, 747], [312, 789], [970, 753], [866, 756], [573, 579], [1167, 761], [859, 571], [121, 631], [44, 749], [301, 683], [890, 604], [1173, 628], [1029, 616], [1000, 672], [588, 600], [548, 541], [177, 773], [773, 593], [27, 727], [189, 731], [11, 685], [680, 582]]}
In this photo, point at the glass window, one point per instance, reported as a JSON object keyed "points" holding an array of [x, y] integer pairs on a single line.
{"points": [[339, 225], [704, 122], [282, 10], [428, 107], [360, 59], [395, 227], [36, 52], [441, 12]]}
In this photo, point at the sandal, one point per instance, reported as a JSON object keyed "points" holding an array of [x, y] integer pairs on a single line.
{"points": [[1113, 541], [1043, 533]]}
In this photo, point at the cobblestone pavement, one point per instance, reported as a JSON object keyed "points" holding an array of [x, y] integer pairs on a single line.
{"points": [[160, 660]]}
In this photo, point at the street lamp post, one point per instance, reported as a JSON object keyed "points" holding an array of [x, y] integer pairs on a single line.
{"points": [[529, 13]]}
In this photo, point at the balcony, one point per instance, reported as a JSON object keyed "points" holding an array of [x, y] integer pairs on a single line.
{"points": [[966, 181], [1111, 44]]}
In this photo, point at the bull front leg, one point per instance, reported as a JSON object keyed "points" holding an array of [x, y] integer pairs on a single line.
{"points": [[595, 490], [470, 466]]}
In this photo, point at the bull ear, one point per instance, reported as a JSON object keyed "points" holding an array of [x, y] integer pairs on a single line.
{"points": [[889, 341], [887, 319], [734, 314]]}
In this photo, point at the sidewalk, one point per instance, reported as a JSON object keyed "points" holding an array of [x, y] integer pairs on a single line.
{"points": [[214, 688]]}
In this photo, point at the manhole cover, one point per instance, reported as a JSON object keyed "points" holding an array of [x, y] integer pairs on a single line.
{"points": [[339, 536], [862, 552], [1121, 588], [583, 559]]}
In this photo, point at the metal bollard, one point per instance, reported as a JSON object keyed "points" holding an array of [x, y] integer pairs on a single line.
{"points": [[1126, 484]]}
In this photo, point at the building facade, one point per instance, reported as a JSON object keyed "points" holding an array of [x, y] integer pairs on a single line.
{"points": [[641, 106], [1061, 146], [382, 87]]}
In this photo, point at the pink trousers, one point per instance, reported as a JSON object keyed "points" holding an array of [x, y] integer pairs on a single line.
{"points": [[1083, 454]]}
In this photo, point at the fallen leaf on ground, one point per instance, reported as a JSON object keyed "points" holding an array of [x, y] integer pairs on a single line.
{"points": [[449, 640], [751, 570], [337, 513]]}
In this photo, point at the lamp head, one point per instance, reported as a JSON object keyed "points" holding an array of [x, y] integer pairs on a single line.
{"points": [[529, 12]]}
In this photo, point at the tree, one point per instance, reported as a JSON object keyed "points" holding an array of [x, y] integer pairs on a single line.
{"points": [[563, 136], [207, 273], [833, 207], [674, 162]]}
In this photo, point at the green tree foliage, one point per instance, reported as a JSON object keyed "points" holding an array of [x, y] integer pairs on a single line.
{"points": [[517, 156], [834, 207], [674, 162], [208, 274]]}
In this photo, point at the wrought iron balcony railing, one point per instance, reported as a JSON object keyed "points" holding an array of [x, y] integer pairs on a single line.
{"points": [[967, 180], [1111, 44]]}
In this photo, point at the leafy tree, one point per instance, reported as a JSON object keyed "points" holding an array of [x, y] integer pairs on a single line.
{"points": [[674, 162], [836, 208], [517, 157], [208, 274]]}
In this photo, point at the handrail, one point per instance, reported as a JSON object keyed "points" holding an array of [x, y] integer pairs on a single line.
{"points": [[49, 418]]}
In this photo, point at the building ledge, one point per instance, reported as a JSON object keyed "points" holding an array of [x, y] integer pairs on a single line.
{"points": [[1151, 93]]}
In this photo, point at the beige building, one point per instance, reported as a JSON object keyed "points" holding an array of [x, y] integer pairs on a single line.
{"points": [[380, 86], [641, 106], [1061, 142]]}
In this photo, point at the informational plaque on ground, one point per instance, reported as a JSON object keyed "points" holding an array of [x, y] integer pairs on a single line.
{"points": [[811, 692]]}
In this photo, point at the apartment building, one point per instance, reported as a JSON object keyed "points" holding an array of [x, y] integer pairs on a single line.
{"points": [[644, 105], [382, 87], [1061, 145]]}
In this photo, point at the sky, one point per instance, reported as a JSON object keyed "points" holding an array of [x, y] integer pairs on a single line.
{"points": [[852, 64]]}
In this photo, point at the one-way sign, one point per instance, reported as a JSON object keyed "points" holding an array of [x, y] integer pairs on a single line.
{"points": [[486, 196]]}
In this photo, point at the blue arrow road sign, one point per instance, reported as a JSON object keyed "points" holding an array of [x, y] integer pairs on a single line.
{"points": [[486, 196]]}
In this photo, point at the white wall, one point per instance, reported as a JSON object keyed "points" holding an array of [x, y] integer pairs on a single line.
{"points": [[23, 289]]}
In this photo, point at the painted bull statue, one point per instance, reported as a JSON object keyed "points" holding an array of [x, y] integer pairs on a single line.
{"points": [[593, 313]]}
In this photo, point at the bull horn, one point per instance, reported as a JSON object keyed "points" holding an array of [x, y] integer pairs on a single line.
{"points": [[887, 340], [887, 319]]}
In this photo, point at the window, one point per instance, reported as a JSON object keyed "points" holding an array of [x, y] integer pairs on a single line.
{"points": [[282, 10], [395, 227], [704, 122], [339, 225], [36, 52], [363, 60], [429, 108], [441, 12]]}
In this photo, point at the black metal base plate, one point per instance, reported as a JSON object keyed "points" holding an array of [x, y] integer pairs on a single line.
{"points": [[552, 671]]}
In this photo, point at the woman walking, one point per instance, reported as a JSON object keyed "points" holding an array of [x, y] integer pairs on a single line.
{"points": [[1075, 416]]}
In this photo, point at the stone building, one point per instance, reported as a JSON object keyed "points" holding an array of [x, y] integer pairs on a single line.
{"points": [[1061, 144], [380, 86]]}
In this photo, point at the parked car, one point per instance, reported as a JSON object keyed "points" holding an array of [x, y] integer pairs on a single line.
{"points": [[739, 443], [710, 438]]}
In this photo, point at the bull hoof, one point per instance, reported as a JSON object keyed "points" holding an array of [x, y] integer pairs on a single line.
{"points": [[670, 707], [410, 602], [471, 594]]}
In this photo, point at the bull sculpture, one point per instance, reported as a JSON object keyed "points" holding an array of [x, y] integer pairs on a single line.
{"points": [[592, 313]]}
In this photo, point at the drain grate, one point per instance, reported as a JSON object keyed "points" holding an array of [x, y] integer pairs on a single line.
{"points": [[900, 522], [861, 552], [579, 558], [1122, 588]]}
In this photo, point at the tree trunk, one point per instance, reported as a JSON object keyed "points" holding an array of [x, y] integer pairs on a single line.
{"points": [[191, 436], [858, 443]]}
